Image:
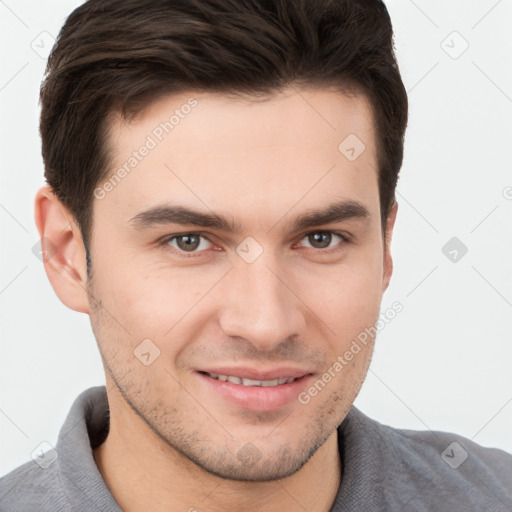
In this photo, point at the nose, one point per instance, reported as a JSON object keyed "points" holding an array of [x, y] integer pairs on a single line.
{"points": [[259, 305]]}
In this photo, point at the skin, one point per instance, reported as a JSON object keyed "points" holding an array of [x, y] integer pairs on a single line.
{"points": [[173, 441]]}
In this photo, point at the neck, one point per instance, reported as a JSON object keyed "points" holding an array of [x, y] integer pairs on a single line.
{"points": [[151, 474]]}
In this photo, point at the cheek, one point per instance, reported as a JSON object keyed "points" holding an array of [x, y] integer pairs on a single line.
{"points": [[346, 297], [150, 301]]}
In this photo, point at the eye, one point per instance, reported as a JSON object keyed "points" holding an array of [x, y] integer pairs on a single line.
{"points": [[323, 239], [187, 242], [195, 243]]}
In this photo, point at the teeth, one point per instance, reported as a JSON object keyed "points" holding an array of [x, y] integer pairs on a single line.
{"points": [[269, 382], [251, 382]]}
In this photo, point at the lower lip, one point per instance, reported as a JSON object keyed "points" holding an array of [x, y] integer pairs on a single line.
{"points": [[257, 398]]}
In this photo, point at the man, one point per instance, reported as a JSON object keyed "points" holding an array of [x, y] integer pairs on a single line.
{"points": [[220, 201]]}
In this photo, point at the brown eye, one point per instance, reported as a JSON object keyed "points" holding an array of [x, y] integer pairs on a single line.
{"points": [[320, 240], [324, 239], [188, 242]]}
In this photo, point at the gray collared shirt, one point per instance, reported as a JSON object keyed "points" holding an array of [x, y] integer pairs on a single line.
{"points": [[384, 469]]}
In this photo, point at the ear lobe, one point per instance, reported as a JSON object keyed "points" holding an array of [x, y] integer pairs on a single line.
{"points": [[388, 260], [62, 249]]}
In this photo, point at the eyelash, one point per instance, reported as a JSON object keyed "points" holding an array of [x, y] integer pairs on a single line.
{"points": [[165, 241]]}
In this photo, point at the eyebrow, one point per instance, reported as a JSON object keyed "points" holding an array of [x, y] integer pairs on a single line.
{"points": [[174, 214]]}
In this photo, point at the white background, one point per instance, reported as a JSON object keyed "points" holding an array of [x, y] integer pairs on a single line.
{"points": [[444, 363]]}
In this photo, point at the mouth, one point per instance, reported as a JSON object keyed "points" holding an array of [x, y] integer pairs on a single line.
{"points": [[252, 390], [251, 382]]}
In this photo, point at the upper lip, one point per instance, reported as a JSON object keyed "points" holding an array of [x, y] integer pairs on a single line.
{"points": [[255, 374]]}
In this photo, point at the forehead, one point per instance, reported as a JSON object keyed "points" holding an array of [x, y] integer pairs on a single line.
{"points": [[299, 147]]}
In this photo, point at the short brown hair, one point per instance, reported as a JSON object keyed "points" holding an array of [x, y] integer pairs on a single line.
{"points": [[119, 55]]}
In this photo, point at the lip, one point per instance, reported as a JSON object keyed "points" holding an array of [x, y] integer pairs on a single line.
{"points": [[255, 398]]}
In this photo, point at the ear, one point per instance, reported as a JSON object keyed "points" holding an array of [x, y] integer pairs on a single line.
{"points": [[388, 260], [62, 249]]}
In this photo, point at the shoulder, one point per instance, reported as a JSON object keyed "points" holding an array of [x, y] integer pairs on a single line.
{"points": [[32, 487], [64, 478], [436, 467], [453, 453], [456, 467]]}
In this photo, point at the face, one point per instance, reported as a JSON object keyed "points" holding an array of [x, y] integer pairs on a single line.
{"points": [[244, 242]]}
